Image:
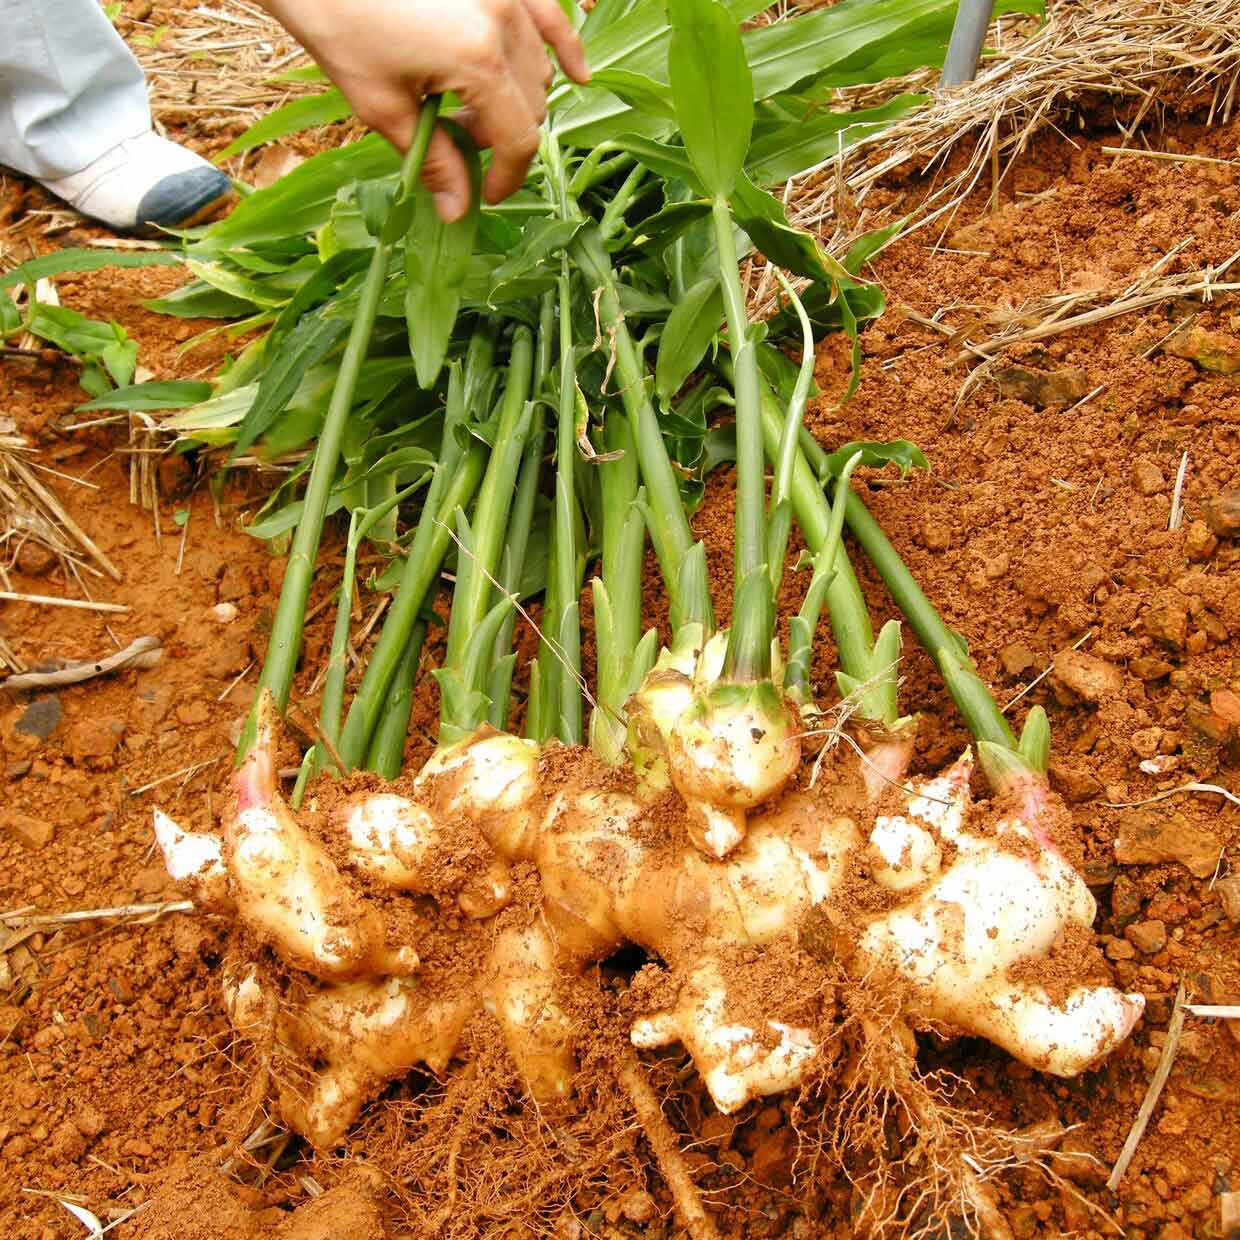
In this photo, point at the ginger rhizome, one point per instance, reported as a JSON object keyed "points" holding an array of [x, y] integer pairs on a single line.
{"points": [[953, 903]]}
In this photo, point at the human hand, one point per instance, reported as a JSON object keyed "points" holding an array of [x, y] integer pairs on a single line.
{"points": [[491, 53]]}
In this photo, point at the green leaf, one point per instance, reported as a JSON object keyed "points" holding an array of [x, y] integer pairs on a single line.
{"points": [[643, 93], [762, 216], [542, 240], [691, 326], [198, 300], [308, 112], [806, 142], [869, 244], [436, 265], [900, 452], [84, 260], [304, 347], [106, 345], [10, 317], [301, 202], [712, 90], [162, 394], [668, 161]]}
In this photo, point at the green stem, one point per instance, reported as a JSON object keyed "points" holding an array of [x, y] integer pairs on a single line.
{"points": [[981, 714], [474, 589], [456, 479], [567, 627], [387, 749], [286, 629], [748, 655], [850, 618], [522, 519], [669, 527]]}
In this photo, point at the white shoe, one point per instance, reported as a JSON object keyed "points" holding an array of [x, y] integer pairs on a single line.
{"points": [[145, 183]]}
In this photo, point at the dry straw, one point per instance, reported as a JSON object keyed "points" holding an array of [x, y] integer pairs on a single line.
{"points": [[1039, 77]]}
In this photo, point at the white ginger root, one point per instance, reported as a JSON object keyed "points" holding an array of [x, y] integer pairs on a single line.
{"points": [[360, 1035], [285, 887], [1005, 898], [736, 1059], [972, 903], [518, 989], [196, 861]]}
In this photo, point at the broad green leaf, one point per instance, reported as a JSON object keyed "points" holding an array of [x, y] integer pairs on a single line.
{"points": [[226, 279], [869, 244], [541, 240], [161, 394], [304, 347], [668, 161], [436, 266], [308, 112], [807, 142], [106, 345], [900, 452], [635, 39], [658, 231], [712, 90], [300, 203], [762, 217], [691, 326], [10, 317], [640, 92], [77, 260]]}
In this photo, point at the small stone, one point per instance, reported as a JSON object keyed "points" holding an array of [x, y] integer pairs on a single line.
{"points": [[94, 738], [1211, 350], [31, 833], [89, 1121], [638, 1206], [1087, 676], [224, 613], [1199, 543], [936, 535], [1016, 658], [16, 770], [1119, 949], [1077, 1159], [1225, 703], [193, 713], [1228, 890], [1148, 937], [35, 560], [1000, 566], [235, 584], [1042, 388], [1222, 513], [41, 718], [1145, 742], [1147, 667], [1125, 899], [1075, 786], [1147, 477], [1167, 622], [1146, 839], [1198, 1199]]}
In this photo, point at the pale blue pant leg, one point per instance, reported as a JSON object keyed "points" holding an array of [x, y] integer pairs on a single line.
{"points": [[70, 90]]}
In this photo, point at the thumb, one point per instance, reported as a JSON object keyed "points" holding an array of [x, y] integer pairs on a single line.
{"points": [[444, 173]]}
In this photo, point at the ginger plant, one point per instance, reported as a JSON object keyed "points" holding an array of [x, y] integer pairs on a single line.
{"points": [[380, 923]]}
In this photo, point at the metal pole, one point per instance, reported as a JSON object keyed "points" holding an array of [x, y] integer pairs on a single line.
{"points": [[965, 48]]}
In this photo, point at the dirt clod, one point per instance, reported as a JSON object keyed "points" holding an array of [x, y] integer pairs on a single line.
{"points": [[1147, 838], [1221, 513], [1086, 676]]}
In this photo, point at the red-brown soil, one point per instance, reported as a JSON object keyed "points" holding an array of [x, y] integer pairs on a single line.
{"points": [[119, 1079]]}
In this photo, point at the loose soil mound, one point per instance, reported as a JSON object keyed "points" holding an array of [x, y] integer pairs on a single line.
{"points": [[1043, 526]]}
